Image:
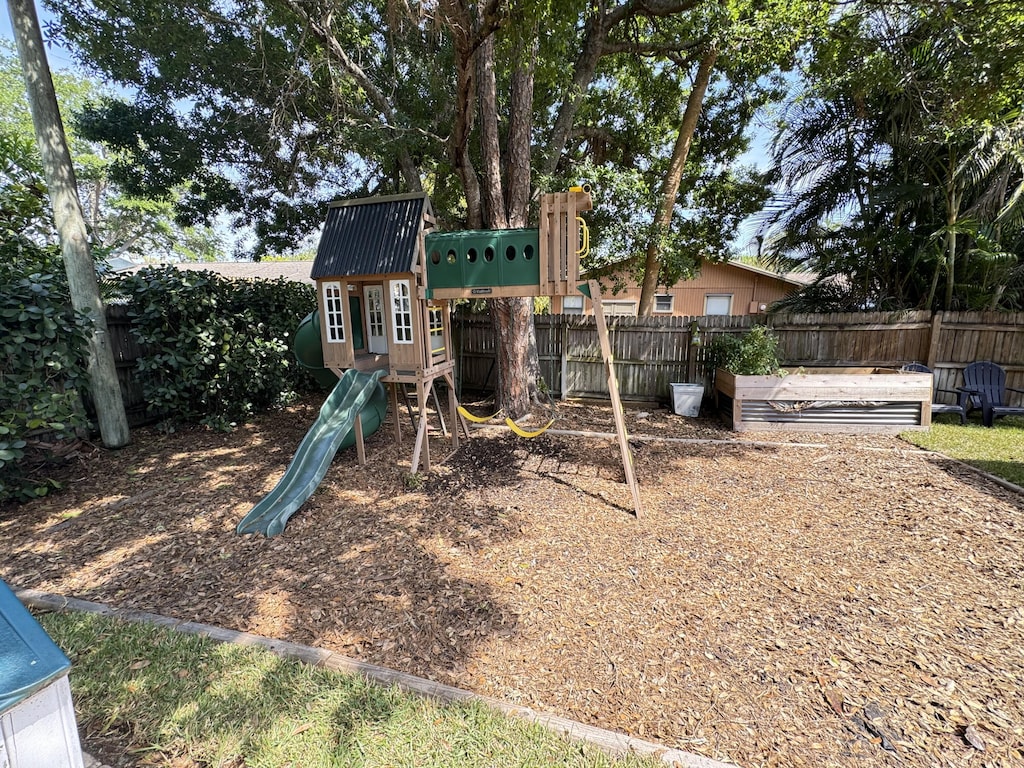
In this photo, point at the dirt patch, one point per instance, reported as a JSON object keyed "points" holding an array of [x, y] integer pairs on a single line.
{"points": [[859, 603]]}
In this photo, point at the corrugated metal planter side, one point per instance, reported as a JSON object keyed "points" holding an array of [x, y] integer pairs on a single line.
{"points": [[826, 400]]}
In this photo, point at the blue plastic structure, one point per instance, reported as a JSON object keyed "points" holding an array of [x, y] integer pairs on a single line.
{"points": [[29, 659]]}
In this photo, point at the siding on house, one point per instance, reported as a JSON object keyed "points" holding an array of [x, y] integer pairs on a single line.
{"points": [[740, 288]]}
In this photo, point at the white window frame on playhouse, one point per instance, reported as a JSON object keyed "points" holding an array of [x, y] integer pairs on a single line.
{"points": [[334, 312], [401, 312], [436, 316]]}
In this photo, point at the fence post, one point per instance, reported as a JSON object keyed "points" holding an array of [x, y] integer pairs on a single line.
{"points": [[933, 339]]}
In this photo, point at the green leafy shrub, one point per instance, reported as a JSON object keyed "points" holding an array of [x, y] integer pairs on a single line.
{"points": [[217, 350], [755, 353], [43, 359]]}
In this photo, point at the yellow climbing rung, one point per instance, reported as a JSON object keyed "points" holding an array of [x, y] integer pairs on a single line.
{"points": [[477, 419], [522, 432]]}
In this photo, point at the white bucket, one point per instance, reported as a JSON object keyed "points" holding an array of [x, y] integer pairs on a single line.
{"points": [[686, 398]]}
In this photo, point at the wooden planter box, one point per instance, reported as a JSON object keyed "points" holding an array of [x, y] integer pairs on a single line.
{"points": [[826, 400]]}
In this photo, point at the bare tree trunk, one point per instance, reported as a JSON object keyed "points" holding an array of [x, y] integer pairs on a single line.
{"points": [[953, 199], [67, 214], [518, 362], [493, 198], [459, 23], [673, 178], [601, 21], [520, 126]]}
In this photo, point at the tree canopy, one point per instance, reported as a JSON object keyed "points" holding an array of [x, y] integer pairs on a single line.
{"points": [[267, 108], [903, 159], [119, 223]]}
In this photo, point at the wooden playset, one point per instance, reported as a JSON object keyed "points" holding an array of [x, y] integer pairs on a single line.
{"points": [[385, 276]]}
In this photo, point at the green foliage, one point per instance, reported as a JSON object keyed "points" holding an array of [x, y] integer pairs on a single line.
{"points": [[218, 350], [755, 353], [43, 349], [902, 160], [119, 223]]}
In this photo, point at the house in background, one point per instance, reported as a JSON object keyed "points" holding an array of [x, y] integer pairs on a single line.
{"points": [[297, 271], [726, 288]]}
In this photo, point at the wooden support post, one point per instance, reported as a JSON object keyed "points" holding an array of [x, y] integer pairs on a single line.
{"points": [[393, 386], [456, 417], [613, 390], [422, 441], [564, 361], [437, 406], [933, 340], [556, 255]]}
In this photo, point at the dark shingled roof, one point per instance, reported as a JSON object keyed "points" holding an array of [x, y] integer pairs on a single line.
{"points": [[370, 236]]}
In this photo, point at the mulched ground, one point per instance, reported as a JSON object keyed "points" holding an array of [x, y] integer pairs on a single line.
{"points": [[859, 603]]}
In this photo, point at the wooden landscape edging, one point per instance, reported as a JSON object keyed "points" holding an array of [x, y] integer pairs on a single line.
{"points": [[609, 741]]}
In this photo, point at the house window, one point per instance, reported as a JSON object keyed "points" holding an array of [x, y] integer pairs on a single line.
{"points": [[436, 330], [334, 312], [572, 305], [718, 304], [401, 311], [619, 307], [663, 302]]}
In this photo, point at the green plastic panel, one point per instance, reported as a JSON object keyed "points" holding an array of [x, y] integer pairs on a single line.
{"points": [[444, 265], [482, 258], [480, 265], [520, 262]]}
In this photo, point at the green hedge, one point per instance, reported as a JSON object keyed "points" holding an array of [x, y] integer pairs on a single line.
{"points": [[43, 353], [217, 350]]}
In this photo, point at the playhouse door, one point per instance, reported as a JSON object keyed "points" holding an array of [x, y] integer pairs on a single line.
{"points": [[376, 338]]}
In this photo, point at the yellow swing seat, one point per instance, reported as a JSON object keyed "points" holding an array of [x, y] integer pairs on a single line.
{"points": [[478, 419], [522, 432]]}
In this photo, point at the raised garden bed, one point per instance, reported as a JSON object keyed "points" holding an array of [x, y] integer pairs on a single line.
{"points": [[826, 400]]}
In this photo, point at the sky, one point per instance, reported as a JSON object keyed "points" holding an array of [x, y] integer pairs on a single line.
{"points": [[58, 57]]}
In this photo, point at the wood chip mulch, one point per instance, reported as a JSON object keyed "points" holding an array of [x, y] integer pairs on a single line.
{"points": [[858, 603]]}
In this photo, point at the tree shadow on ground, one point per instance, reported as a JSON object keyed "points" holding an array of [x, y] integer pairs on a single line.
{"points": [[362, 569]]}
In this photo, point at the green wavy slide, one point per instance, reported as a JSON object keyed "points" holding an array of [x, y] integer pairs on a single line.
{"points": [[355, 394]]}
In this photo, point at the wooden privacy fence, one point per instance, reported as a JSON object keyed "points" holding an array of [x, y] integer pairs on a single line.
{"points": [[126, 351], [652, 353]]}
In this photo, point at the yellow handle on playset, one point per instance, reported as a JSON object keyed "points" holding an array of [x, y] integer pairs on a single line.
{"points": [[584, 248]]}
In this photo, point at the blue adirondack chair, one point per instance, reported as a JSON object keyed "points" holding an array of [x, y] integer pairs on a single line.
{"points": [[959, 407], [985, 387]]}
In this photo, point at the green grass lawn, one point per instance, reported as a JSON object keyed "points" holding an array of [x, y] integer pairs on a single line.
{"points": [[175, 696], [998, 450]]}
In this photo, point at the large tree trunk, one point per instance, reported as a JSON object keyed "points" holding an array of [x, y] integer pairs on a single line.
{"points": [[673, 178], [518, 363], [499, 197], [67, 214]]}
